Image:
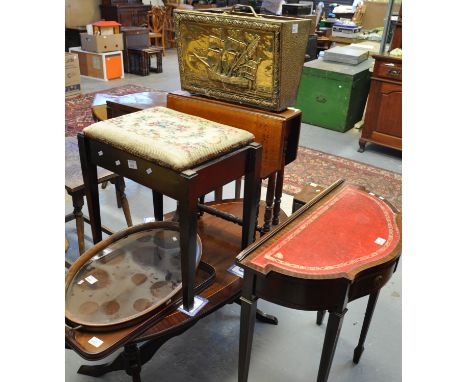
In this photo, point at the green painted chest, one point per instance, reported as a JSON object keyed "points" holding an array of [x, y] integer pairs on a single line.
{"points": [[333, 95]]}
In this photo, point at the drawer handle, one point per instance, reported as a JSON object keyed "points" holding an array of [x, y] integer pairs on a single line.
{"points": [[394, 72], [320, 99]]}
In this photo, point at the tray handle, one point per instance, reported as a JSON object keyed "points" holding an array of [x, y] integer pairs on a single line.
{"points": [[244, 6]]}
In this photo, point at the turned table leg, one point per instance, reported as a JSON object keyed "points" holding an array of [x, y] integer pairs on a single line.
{"points": [[278, 194], [269, 203], [78, 202]]}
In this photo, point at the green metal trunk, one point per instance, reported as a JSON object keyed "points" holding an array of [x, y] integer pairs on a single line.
{"points": [[333, 95]]}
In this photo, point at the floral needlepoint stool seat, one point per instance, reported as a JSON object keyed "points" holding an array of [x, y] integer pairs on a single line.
{"points": [[178, 155]]}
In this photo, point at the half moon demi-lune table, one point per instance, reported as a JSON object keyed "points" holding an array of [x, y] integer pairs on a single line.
{"points": [[342, 245]]}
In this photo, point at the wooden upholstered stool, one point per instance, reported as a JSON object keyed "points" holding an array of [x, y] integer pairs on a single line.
{"points": [[75, 188], [342, 245], [178, 155]]}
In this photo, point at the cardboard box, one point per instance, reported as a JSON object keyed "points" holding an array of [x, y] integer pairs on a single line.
{"points": [[105, 66], [72, 75], [101, 44], [374, 14]]}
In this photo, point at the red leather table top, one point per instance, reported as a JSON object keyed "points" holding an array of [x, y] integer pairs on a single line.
{"points": [[351, 231]]}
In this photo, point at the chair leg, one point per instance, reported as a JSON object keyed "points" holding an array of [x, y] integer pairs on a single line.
{"points": [[247, 325], [90, 179], [373, 297], [78, 203], [335, 321], [252, 186], [122, 198]]}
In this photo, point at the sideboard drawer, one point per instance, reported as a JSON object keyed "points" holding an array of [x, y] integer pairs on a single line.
{"points": [[388, 70]]}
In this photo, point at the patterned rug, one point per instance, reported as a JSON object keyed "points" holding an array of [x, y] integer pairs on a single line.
{"points": [[313, 166], [78, 109]]}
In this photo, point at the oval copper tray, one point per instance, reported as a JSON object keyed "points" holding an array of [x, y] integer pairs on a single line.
{"points": [[125, 277]]}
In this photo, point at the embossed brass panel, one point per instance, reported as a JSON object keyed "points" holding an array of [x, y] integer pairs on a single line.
{"points": [[239, 57]]}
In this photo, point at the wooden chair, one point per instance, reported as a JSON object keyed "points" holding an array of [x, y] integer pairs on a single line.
{"points": [[157, 27], [170, 28]]}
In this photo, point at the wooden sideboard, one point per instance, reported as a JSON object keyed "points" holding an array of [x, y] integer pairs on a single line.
{"points": [[382, 122], [128, 13]]}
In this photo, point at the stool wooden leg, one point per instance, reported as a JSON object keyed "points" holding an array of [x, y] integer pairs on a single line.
{"points": [[120, 190], [90, 179], [188, 210], [252, 186], [238, 186], [78, 202], [247, 325], [365, 325], [218, 194], [158, 206], [269, 203], [278, 194]]}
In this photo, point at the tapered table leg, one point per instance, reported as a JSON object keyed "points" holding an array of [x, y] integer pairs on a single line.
{"points": [[247, 325], [373, 297], [335, 320], [320, 315]]}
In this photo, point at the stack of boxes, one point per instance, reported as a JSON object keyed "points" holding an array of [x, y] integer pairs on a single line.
{"points": [[72, 75], [100, 54]]}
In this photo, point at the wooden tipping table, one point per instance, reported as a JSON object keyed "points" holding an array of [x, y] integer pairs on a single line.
{"points": [[342, 245]]}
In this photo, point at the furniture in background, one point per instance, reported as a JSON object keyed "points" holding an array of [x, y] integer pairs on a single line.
{"points": [[134, 38], [382, 122], [126, 12], [139, 60], [72, 37], [342, 245], [333, 95], [170, 38], [75, 188], [157, 27]]}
